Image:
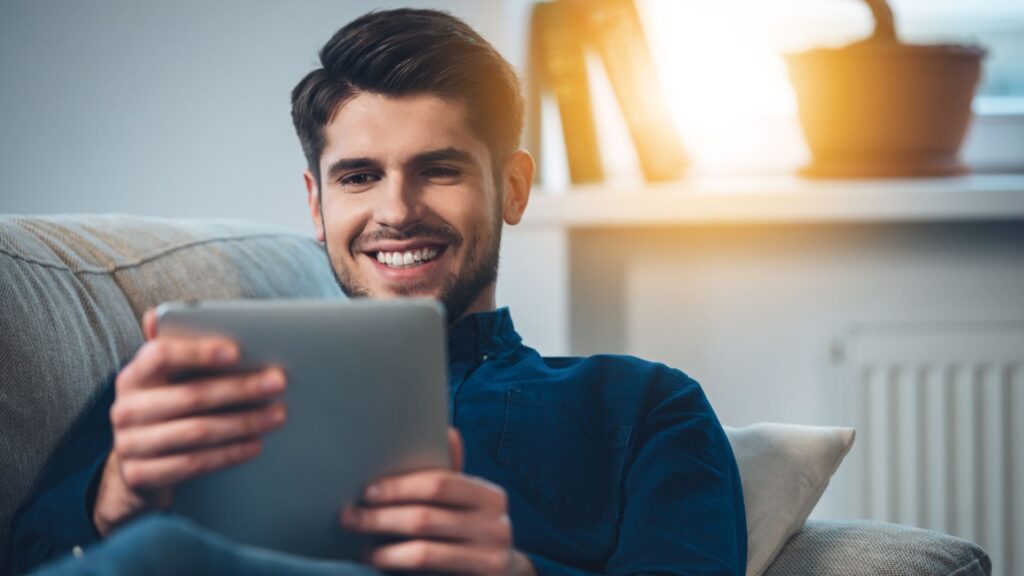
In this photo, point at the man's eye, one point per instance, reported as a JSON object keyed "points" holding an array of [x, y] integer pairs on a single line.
{"points": [[442, 173], [359, 179]]}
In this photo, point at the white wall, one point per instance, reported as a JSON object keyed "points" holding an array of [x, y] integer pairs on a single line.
{"points": [[177, 109], [752, 311]]}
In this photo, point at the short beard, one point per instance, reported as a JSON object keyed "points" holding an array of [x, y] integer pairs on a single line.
{"points": [[458, 291]]}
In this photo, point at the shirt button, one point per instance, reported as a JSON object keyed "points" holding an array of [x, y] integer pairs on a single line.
{"points": [[77, 552], [485, 358]]}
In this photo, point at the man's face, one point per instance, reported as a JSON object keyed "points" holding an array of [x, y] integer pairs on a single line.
{"points": [[407, 204]]}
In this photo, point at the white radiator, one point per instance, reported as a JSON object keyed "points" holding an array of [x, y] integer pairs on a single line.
{"points": [[939, 413]]}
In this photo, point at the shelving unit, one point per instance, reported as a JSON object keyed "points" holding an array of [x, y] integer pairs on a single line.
{"points": [[780, 199], [745, 282]]}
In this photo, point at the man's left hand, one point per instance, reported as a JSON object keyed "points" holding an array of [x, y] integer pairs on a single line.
{"points": [[447, 522]]}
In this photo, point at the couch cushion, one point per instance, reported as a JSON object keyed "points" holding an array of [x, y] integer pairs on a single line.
{"points": [[784, 469], [862, 548], [72, 290]]}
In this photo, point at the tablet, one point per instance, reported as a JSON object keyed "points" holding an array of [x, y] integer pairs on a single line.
{"points": [[367, 396]]}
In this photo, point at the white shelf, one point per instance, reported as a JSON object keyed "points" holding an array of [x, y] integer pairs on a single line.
{"points": [[781, 199]]}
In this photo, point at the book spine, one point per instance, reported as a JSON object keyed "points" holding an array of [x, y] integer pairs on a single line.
{"points": [[614, 27], [558, 46]]}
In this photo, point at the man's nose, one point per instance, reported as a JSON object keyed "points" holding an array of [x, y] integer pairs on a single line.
{"points": [[399, 203]]}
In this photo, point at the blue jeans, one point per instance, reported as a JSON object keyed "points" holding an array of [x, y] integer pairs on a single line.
{"points": [[163, 544]]}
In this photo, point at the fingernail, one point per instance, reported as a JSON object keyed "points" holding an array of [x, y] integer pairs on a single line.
{"points": [[272, 382], [372, 492], [277, 414], [348, 516], [225, 354]]}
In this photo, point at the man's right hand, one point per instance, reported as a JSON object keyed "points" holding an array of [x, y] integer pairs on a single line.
{"points": [[167, 430]]}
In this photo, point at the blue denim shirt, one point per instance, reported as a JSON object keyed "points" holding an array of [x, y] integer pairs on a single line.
{"points": [[612, 464]]}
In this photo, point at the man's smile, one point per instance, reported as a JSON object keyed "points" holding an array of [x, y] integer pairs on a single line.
{"points": [[406, 260]]}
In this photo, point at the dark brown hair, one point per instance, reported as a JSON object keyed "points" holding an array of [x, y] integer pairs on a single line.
{"points": [[405, 52]]}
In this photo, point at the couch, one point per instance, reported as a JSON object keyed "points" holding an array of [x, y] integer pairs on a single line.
{"points": [[73, 288]]}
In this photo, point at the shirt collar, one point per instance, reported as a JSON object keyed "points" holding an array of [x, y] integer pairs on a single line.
{"points": [[482, 334]]}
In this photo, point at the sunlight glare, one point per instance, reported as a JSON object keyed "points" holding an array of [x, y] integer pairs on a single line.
{"points": [[722, 72]]}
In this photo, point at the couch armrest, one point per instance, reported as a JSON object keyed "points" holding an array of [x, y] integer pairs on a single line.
{"points": [[855, 547]]}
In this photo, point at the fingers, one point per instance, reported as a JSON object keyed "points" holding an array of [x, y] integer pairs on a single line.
{"points": [[420, 555], [186, 399], [417, 521], [168, 471], [170, 427], [160, 358], [451, 522], [149, 324], [437, 487], [198, 432], [455, 449]]}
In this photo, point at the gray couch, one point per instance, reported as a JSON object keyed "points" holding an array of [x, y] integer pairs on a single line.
{"points": [[72, 290]]}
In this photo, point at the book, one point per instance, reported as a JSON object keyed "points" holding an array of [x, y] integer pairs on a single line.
{"points": [[558, 54], [614, 27]]}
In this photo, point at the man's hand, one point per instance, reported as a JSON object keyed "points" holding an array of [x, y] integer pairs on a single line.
{"points": [[167, 430], [448, 522]]}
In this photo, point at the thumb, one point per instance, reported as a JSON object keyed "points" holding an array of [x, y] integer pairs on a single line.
{"points": [[149, 324], [455, 449]]}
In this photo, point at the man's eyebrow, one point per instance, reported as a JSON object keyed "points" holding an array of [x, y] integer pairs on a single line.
{"points": [[448, 154], [346, 164]]}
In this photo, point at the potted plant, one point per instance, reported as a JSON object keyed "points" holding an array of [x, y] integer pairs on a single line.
{"points": [[882, 108]]}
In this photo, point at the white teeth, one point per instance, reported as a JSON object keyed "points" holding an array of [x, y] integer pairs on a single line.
{"points": [[408, 258]]}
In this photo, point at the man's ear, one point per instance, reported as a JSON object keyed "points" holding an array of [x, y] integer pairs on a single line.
{"points": [[313, 199], [518, 180]]}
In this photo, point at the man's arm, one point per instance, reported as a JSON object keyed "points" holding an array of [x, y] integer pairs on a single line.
{"points": [[58, 517], [683, 511]]}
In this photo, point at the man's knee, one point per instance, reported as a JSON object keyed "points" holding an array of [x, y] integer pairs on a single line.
{"points": [[162, 530], [163, 540]]}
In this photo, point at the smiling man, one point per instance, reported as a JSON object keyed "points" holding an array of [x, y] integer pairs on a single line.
{"points": [[412, 203], [607, 464]]}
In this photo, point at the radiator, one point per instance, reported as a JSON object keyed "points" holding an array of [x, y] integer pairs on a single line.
{"points": [[939, 413]]}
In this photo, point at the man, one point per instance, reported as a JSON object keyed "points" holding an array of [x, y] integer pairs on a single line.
{"points": [[606, 464]]}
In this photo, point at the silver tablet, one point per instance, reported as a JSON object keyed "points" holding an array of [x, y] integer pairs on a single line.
{"points": [[367, 396]]}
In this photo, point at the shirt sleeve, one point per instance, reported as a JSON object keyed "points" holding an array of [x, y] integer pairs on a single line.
{"points": [[545, 567], [58, 517], [683, 511]]}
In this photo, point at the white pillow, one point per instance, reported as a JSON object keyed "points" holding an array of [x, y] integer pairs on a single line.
{"points": [[784, 469]]}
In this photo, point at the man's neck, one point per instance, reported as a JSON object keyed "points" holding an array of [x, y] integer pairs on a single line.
{"points": [[484, 302]]}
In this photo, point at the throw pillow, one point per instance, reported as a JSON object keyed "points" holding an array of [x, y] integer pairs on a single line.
{"points": [[784, 469]]}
